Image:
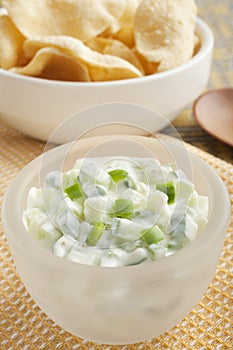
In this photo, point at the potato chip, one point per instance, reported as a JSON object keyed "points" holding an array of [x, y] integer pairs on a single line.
{"points": [[100, 67], [51, 63], [82, 19], [114, 48], [10, 44], [164, 31]]}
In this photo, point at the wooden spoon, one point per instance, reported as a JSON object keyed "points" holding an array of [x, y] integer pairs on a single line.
{"points": [[214, 112]]}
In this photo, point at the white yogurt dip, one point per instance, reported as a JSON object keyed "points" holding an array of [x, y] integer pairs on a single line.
{"points": [[115, 211]]}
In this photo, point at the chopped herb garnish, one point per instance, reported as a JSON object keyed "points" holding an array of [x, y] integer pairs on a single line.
{"points": [[152, 235], [169, 189], [95, 234], [75, 191], [123, 208], [118, 174]]}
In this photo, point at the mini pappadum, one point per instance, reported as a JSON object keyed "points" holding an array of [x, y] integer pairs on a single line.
{"points": [[164, 31], [82, 19], [102, 40], [100, 67], [10, 43], [115, 48], [51, 63]]}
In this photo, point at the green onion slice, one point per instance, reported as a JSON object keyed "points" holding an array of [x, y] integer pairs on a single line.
{"points": [[123, 208], [95, 234], [152, 235], [169, 189], [75, 191], [118, 174]]}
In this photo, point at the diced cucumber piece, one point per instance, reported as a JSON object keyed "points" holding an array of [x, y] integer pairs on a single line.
{"points": [[68, 223], [169, 189], [137, 198], [69, 178], [163, 174], [156, 201], [123, 208], [84, 229], [184, 190], [63, 246], [94, 191], [114, 226], [152, 235], [97, 209], [76, 207], [110, 260], [131, 183], [118, 174], [201, 223], [191, 228], [43, 198], [159, 251], [198, 210], [178, 222], [101, 191], [75, 191], [41, 228], [164, 218], [92, 173], [95, 234], [127, 231], [84, 255], [131, 258], [54, 179], [203, 205]]}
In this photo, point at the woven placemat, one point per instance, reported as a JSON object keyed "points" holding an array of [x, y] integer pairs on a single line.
{"points": [[24, 326]]}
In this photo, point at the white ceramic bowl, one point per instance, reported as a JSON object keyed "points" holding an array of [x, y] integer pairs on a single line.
{"points": [[36, 107], [126, 304]]}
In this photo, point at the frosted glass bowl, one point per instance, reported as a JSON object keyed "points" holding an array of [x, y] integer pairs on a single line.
{"points": [[125, 304], [38, 106]]}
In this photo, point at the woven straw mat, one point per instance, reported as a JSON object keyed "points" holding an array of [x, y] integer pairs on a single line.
{"points": [[24, 326]]}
